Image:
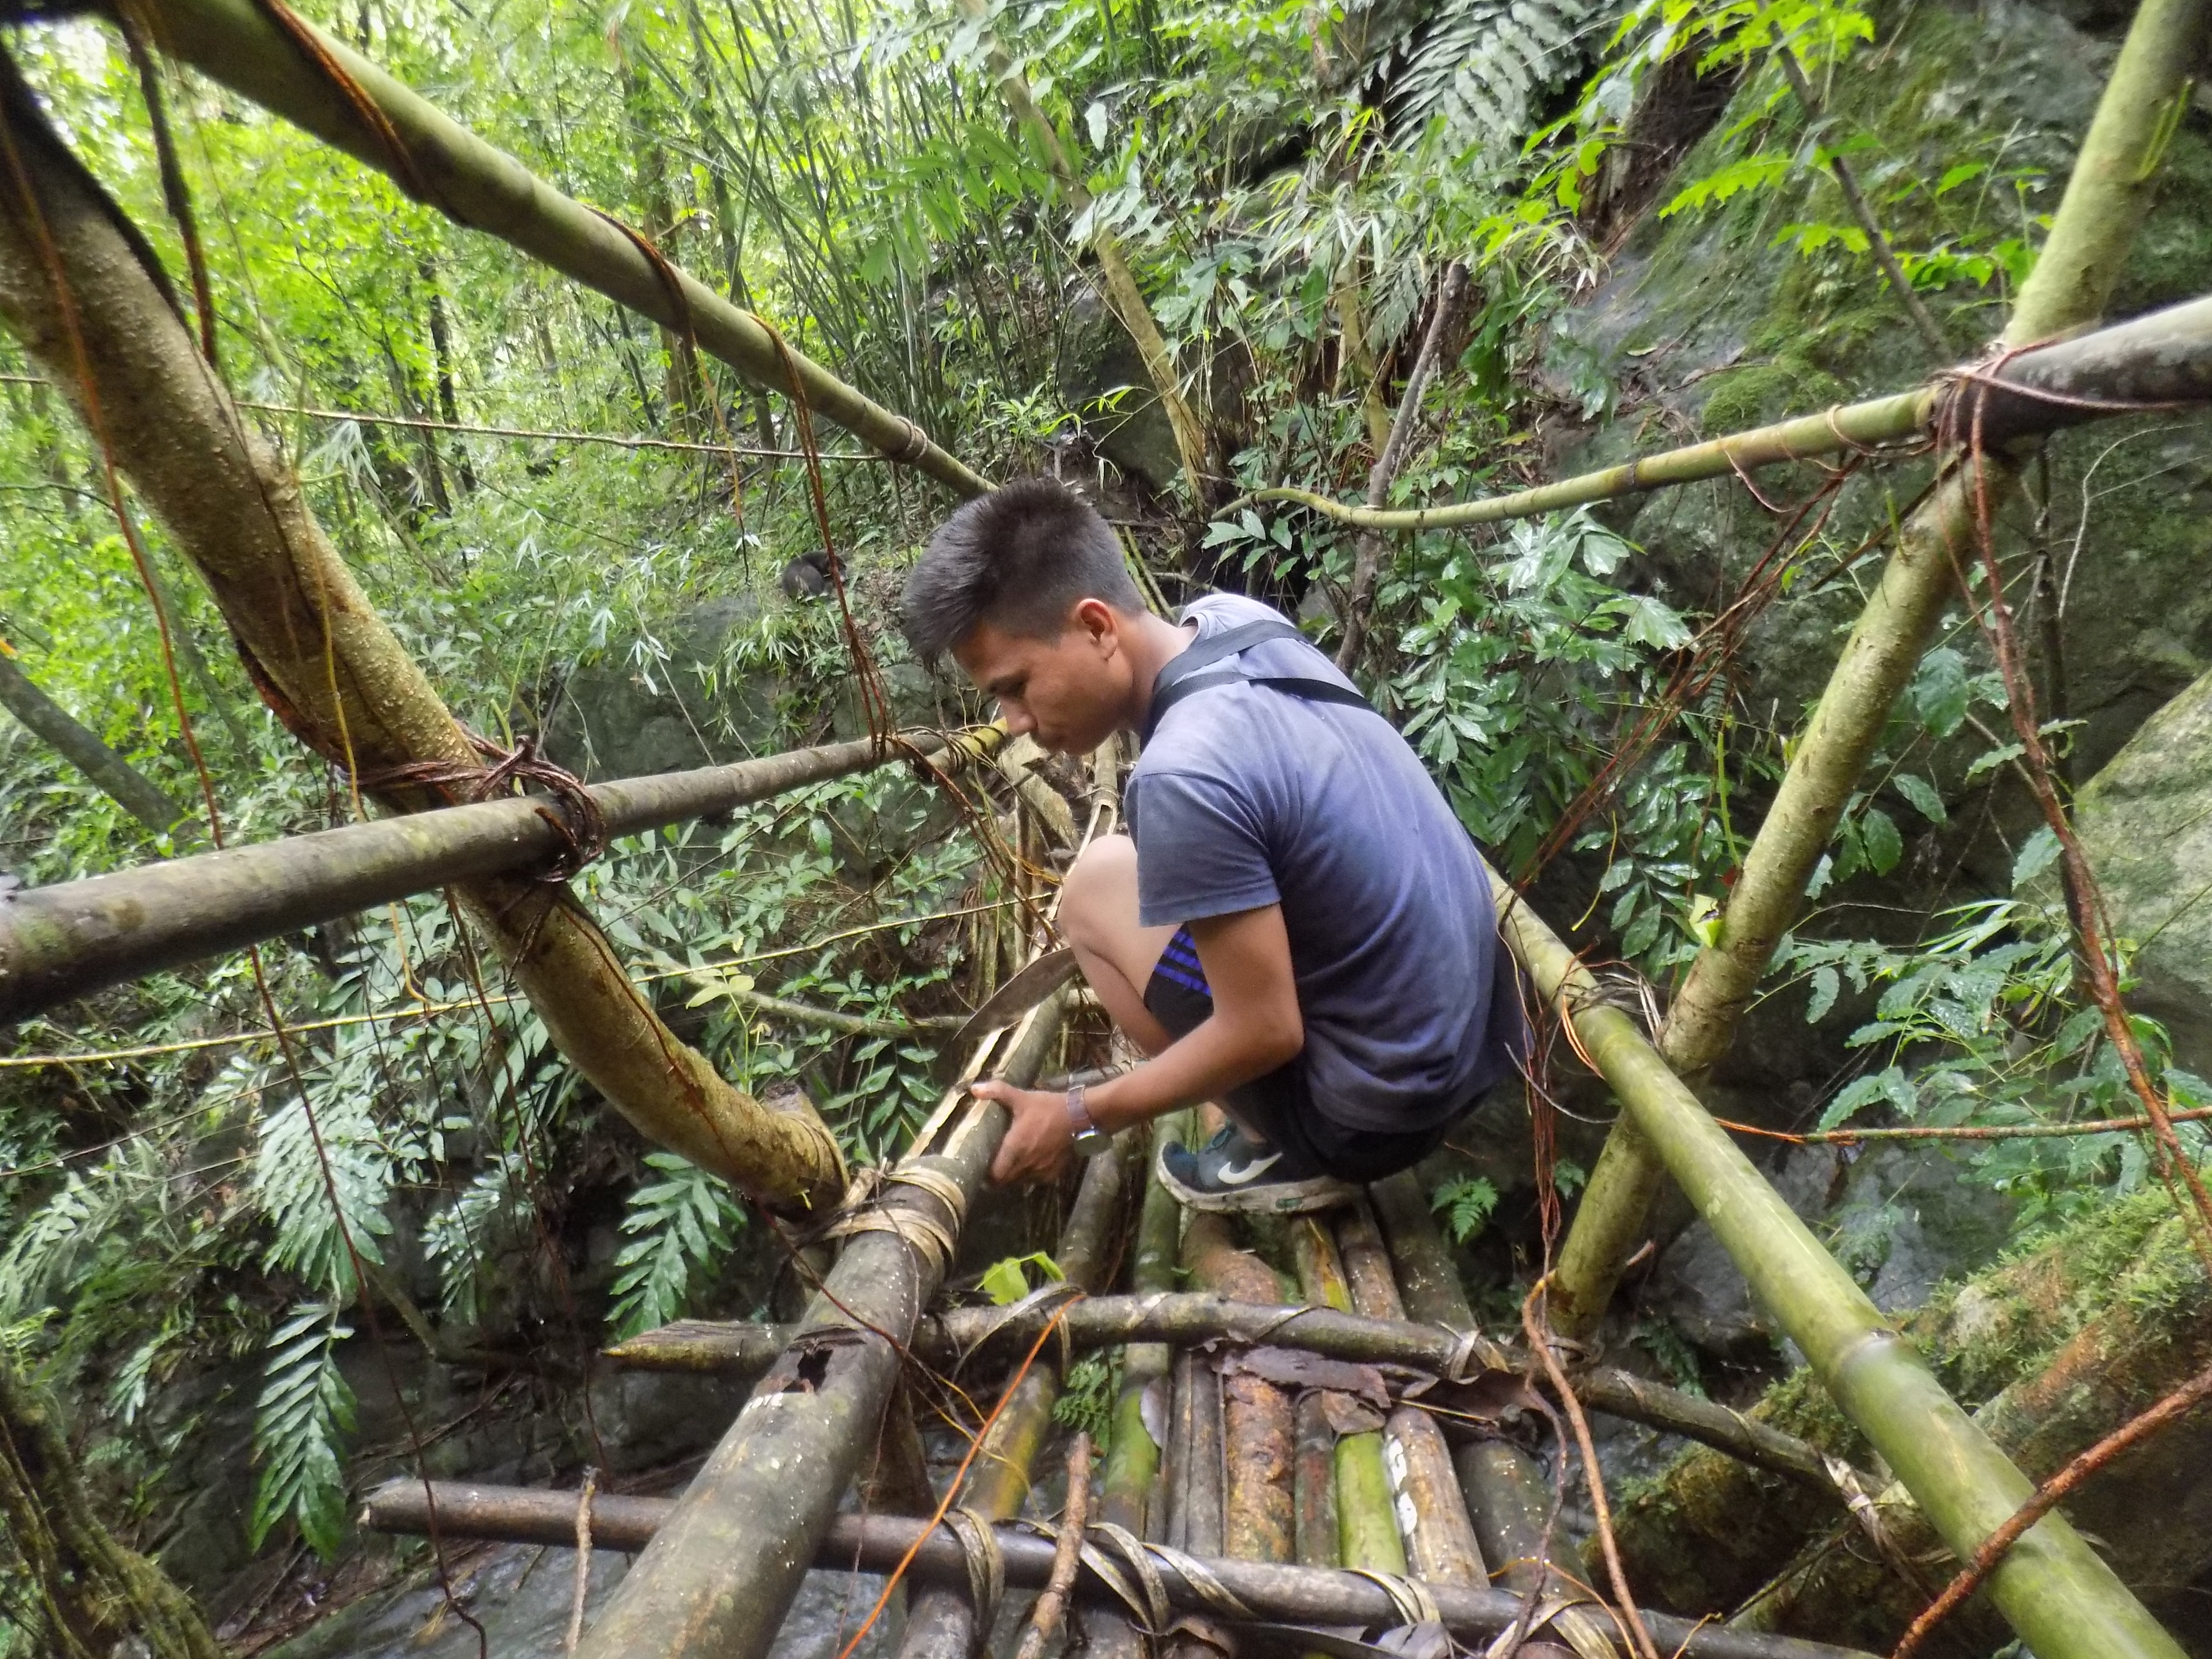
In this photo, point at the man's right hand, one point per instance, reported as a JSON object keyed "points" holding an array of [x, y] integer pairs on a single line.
{"points": [[1039, 1144]]}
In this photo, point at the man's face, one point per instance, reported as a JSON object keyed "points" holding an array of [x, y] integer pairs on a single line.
{"points": [[1072, 691]]}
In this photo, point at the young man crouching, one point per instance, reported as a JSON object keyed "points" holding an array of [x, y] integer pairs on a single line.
{"points": [[1297, 926]]}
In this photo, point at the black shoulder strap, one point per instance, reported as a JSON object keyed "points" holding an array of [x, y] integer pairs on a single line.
{"points": [[1180, 676]]}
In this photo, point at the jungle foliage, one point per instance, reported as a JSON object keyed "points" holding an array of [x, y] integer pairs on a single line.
{"points": [[1291, 180]]}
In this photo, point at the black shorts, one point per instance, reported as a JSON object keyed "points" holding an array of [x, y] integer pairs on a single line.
{"points": [[1279, 1106]]}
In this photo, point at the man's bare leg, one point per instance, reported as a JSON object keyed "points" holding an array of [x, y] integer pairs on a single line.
{"points": [[1098, 915]]}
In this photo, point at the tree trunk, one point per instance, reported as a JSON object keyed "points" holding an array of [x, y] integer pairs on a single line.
{"points": [[327, 664], [95, 1595], [78, 744]]}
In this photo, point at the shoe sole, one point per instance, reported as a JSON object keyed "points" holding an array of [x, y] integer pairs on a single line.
{"points": [[1263, 1198]]}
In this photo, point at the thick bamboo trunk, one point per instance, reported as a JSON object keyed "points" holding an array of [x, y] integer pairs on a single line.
{"points": [[1509, 1499], [75, 938], [942, 1623], [1257, 1520], [78, 744], [720, 1575], [1128, 1494], [2057, 1595], [92, 1594], [1271, 1591], [1367, 1530], [2106, 196], [328, 663], [1194, 447], [1432, 1517], [444, 165]]}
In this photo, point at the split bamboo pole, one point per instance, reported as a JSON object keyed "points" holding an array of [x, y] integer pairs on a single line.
{"points": [[81, 746], [1194, 447], [1271, 1591], [76, 288], [2063, 1601], [74, 937], [1367, 1531], [1433, 1517], [1508, 1499], [435, 160], [1258, 1523], [720, 1573], [2106, 198], [942, 1622], [1127, 1494], [2165, 357]]}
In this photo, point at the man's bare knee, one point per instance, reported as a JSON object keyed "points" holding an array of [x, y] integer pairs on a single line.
{"points": [[1098, 897]]}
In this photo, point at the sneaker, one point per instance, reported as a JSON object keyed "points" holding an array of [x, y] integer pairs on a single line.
{"points": [[1232, 1171]]}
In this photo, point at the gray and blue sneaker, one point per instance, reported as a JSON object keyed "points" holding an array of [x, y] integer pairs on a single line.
{"points": [[1232, 1171]]}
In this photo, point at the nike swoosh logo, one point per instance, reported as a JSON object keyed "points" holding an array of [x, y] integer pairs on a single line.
{"points": [[1252, 1171]]}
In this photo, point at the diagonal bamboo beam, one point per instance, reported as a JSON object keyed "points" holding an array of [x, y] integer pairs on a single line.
{"points": [[2106, 198], [1272, 1592], [721, 1572], [79, 290], [2061, 1599], [74, 937], [82, 747], [440, 163], [2165, 357]]}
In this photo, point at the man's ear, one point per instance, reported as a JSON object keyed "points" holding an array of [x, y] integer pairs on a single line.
{"points": [[1100, 623]]}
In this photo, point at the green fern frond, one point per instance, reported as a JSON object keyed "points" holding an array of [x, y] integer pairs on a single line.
{"points": [[465, 1238], [289, 1181], [306, 1408], [1483, 65], [678, 1226], [1465, 1206]]}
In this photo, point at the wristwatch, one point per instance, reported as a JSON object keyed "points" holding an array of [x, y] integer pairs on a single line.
{"points": [[1090, 1139]]}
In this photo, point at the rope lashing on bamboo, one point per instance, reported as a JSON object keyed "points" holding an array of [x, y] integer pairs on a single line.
{"points": [[866, 1210], [1038, 1300], [1409, 1596], [581, 824], [986, 1569]]}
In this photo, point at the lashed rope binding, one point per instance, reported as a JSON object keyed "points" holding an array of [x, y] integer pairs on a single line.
{"points": [[581, 825]]}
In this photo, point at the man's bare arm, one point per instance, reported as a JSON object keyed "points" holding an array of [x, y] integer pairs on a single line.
{"points": [[1256, 1027]]}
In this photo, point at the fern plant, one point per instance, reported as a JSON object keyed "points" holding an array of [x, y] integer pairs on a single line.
{"points": [[307, 1407], [1483, 66], [679, 1228]]}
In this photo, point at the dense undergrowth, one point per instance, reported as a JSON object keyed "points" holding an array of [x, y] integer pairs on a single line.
{"points": [[1293, 182]]}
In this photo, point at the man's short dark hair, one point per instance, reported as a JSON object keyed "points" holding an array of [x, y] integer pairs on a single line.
{"points": [[1019, 558]]}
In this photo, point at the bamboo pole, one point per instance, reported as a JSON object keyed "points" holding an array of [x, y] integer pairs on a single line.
{"points": [[440, 163], [1258, 1522], [71, 939], [74, 290], [1274, 1592], [720, 1573], [2106, 196], [2059, 1596], [1366, 1519], [2163, 357], [81, 746], [1509, 1499], [1432, 1518], [1127, 1493], [942, 1623], [974, 1335], [1194, 448]]}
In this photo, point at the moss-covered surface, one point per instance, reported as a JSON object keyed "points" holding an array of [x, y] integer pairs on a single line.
{"points": [[2055, 1347]]}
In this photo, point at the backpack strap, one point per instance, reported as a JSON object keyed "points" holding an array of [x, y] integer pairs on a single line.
{"points": [[1180, 676]]}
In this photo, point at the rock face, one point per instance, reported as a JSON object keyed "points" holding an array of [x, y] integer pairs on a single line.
{"points": [[2146, 822], [1710, 321]]}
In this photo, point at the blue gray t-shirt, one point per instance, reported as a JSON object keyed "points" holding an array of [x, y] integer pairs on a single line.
{"points": [[1246, 796]]}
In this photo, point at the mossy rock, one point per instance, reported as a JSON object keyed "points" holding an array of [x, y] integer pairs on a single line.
{"points": [[2146, 824]]}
